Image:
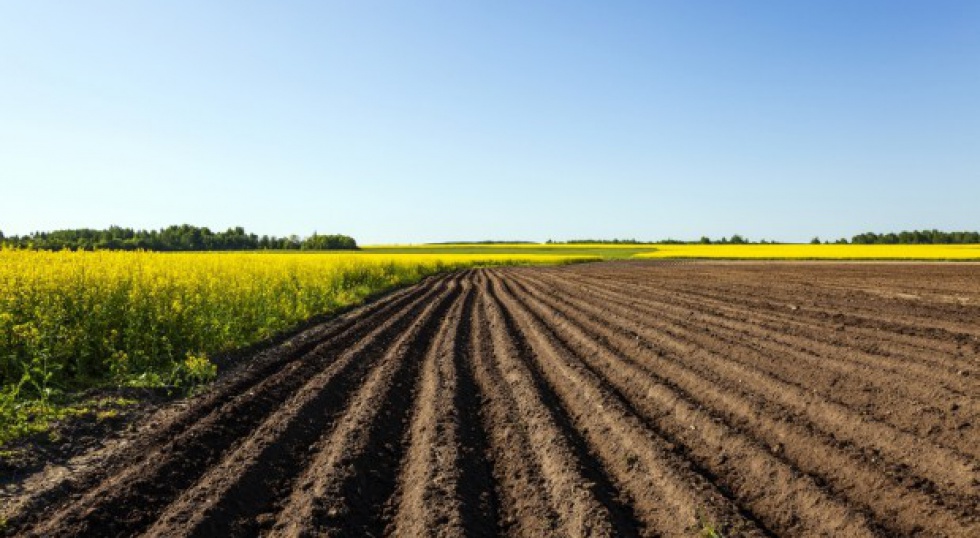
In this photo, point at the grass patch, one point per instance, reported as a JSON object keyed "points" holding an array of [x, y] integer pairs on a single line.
{"points": [[31, 418], [706, 528]]}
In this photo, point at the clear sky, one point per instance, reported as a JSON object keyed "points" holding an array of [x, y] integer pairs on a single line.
{"points": [[413, 121]]}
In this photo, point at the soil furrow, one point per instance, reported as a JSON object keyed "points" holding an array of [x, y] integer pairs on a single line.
{"points": [[778, 285], [261, 372], [480, 502], [236, 496], [956, 473], [816, 309], [678, 398], [865, 390], [895, 346], [673, 397], [151, 483], [524, 509], [667, 494], [578, 507], [352, 475], [828, 339], [430, 475]]}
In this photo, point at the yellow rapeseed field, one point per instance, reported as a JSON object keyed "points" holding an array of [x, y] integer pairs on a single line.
{"points": [[817, 252], [708, 251], [71, 320], [87, 311]]}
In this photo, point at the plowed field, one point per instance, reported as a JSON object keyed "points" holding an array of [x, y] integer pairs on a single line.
{"points": [[762, 399]]}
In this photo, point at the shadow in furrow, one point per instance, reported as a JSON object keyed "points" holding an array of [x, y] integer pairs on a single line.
{"points": [[624, 519], [368, 491], [305, 351], [243, 509], [680, 449], [135, 503], [869, 493], [480, 505], [336, 335], [865, 447]]}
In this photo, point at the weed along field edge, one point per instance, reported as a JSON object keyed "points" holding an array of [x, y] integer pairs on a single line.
{"points": [[623, 398]]}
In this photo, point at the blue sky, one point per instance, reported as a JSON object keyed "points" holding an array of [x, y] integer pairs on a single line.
{"points": [[414, 121]]}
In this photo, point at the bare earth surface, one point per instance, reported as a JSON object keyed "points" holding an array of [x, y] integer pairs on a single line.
{"points": [[650, 399]]}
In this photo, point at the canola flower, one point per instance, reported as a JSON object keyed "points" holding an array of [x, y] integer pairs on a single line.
{"points": [[73, 320], [119, 313], [938, 252], [816, 252]]}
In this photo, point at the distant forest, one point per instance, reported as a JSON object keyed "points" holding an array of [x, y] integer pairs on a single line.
{"points": [[173, 238], [734, 240], [915, 237]]}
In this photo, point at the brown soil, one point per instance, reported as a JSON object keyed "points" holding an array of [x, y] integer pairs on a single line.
{"points": [[615, 399]]}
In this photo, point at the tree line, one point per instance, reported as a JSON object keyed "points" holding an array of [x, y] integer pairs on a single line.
{"points": [[734, 240], [914, 237], [917, 237], [175, 238]]}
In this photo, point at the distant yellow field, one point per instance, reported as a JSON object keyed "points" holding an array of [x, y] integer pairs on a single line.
{"points": [[544, 252], [817, 252]]}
